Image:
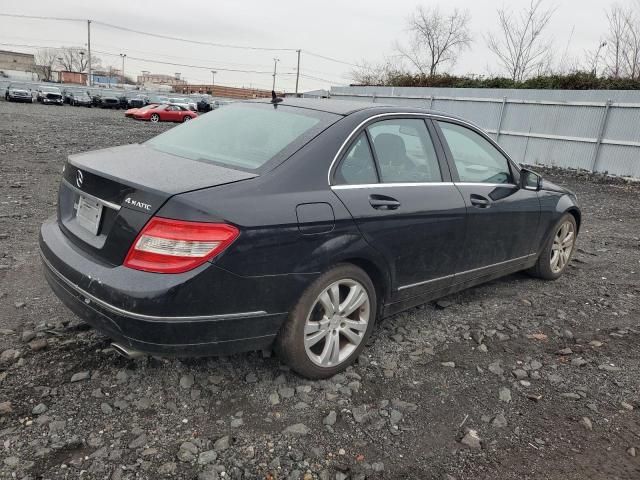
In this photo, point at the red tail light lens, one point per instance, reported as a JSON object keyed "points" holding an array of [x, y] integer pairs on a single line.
{"points": [[176, 246]]}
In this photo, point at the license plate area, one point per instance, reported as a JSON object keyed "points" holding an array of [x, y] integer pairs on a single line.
{"points": [[89, 214]]}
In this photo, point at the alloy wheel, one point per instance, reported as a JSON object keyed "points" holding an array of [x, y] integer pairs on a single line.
{"points": [[155, 117], [562, 247], [337, 323]]}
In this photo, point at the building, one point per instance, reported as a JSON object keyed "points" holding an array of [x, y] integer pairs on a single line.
{"points": [[17, 62], [223, 92], [72, 77], [151, 80]]}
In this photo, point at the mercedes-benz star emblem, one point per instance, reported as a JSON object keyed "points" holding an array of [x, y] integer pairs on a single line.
{"points": [[79, 178]]}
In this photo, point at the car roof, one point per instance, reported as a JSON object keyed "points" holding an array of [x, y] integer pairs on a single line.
{"points": [[347, 107]]}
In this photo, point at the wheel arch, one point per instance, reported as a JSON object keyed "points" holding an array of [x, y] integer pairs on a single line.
{"points": [[577, 215], [378, 277]]}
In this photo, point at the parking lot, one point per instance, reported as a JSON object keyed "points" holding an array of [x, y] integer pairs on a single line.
{"points": [[515, 379]]}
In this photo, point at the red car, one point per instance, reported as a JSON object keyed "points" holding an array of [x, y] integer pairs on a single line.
{"points": [[132, 111], [165, 113]]}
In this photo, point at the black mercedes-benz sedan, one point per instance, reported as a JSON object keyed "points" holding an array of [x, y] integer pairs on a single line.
{"points": [[294, 225]]}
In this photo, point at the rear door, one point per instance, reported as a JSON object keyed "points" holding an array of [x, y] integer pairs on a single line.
{"points": [[400, 194], [502, 218]]}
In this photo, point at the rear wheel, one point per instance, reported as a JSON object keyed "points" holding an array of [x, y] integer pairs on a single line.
{"points": [[558, 250], [155, 118], [329, 326]]}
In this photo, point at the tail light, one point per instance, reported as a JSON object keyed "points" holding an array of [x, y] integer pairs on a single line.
{"points": [[176, 246]]}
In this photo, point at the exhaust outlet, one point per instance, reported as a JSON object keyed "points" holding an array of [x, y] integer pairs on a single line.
{"points": [[127, 352]]}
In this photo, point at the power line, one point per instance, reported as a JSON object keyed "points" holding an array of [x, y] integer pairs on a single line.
{"points": [[180, 39], [37, 17], [331, 59], [186, 40]]}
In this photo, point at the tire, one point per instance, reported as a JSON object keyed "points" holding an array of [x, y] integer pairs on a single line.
{"points": [[308, 338], [155, 118], [549, 267], [186, 119]]}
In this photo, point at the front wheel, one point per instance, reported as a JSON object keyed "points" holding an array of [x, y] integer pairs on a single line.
{"points": [[558, 250], [185, 119], [155, 118], [329, 326]]}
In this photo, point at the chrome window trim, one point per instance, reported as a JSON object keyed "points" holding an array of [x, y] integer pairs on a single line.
{"points": [[404, 287], [386, 185], [139, 316], [434, 116], [111, 205]]}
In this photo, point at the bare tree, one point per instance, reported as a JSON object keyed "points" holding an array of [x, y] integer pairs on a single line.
{"points": [[46, 59], [520, 46], [616, 39], [436, 39], [631, 51], [73, 59]]}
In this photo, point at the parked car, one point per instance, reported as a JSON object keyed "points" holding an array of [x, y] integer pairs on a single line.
{"points": [[80, 98], [159, 99], [132, 111], [297, 226], [137, 101], [205, 103], [187, 103], [47, 94], [165, 113], [18, 92], [110, 100]]}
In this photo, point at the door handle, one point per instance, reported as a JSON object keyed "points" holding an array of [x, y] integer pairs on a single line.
{"points": [[382, 202], [479, 201]]}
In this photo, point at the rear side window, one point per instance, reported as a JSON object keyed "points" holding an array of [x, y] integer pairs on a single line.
{"points": [[244, 135], [476, 159], [404, 151], [357, 167]]}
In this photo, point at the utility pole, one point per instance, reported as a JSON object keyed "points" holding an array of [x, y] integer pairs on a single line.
{"points": [[213, 81], [89, 50], [123, 55], [298, 71], [275, 69]]}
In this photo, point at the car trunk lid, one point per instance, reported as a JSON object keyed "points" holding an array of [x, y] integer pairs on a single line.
{"points": [[107, 196]]}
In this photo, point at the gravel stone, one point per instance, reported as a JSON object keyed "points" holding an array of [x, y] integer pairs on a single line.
{"points": [[504, 395], [222, 444], [207, 457], [471, 440], [77, 377], [187, 381], [39, 409], [297, 429], [499, 421], [331, 418]]}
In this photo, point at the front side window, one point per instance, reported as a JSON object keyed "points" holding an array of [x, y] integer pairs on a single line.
{"points": [[476, 159], [357, 167], [404, 151]]}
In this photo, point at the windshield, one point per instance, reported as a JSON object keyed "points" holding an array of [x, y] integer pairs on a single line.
{"points": [[50, 89], [244, 135], [179, 100], [18, 86]]}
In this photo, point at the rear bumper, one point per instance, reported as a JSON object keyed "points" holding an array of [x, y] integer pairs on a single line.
{"points": [[189, 335]]}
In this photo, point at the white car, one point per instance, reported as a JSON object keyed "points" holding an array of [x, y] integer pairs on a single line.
{"points": [[188, 103]]}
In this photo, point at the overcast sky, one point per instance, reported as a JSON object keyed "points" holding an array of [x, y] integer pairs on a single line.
{"points": [[346, 30]]}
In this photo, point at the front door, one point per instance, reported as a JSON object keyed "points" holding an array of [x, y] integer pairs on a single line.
{"points": [[502, 218], [404, 203]]}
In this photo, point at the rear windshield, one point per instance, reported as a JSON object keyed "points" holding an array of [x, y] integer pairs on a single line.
{"points": [[244, 135]]}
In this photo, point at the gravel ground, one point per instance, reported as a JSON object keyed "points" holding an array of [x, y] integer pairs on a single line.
{"points": [[516, 379]]}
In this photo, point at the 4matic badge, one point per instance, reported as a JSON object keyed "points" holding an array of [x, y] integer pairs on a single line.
{"points": [[136, 203]]}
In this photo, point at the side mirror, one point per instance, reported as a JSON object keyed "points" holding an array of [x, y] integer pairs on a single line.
{"points": [[530, 180]]}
